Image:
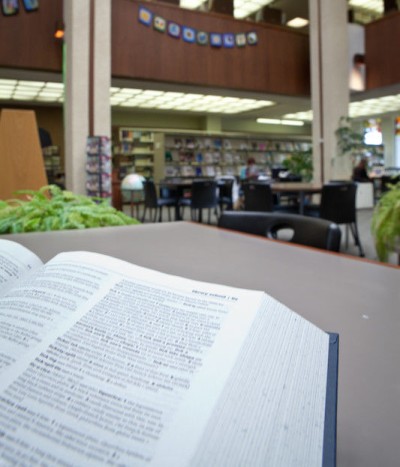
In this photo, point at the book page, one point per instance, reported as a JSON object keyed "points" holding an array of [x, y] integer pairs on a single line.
{"points": [[272, 409], [15, 261], [106, 382]]}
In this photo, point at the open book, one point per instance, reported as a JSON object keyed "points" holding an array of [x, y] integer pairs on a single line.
{"points": [[106, 363]]}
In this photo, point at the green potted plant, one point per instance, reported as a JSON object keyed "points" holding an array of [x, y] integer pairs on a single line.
{"points": [[52, 208], [385, 226], [300, 163]]}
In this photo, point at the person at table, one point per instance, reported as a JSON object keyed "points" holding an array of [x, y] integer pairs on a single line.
{"points": [[252, 171], [360, 171]]}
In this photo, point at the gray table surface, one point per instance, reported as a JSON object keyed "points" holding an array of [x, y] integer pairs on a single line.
{"points": [[357, 298]]}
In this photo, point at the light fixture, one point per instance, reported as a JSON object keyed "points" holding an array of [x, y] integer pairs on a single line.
{"points": [[59, 31], [297, 22], [242, 8], [375, 6], [364, 108], [53, 92], [276, 121]]}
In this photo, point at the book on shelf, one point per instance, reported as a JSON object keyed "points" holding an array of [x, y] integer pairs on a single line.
{"points": [[107, 363]]}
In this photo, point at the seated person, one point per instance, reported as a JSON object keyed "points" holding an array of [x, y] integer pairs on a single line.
{"points": [[252, 171], [360, 171]]}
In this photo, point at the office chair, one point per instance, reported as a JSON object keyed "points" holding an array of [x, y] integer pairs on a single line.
{"points": [[225, 195], [338, 204], [153, 202], [307, 231], [257, 196], [204, 196]]}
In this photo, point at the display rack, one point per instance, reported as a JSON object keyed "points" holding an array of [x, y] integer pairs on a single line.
{"points": [[98, 166]]}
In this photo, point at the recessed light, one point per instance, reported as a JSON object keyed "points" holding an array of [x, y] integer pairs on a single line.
{"points": [[297, 22]]}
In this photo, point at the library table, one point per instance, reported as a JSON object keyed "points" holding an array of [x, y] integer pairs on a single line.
{"points": [[301, 188], [357, 298]]}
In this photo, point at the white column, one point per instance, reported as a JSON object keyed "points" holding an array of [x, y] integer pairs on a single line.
{"points": [[78, 83], [102, 67], [76, 99], [389, 139], [329, 85]]}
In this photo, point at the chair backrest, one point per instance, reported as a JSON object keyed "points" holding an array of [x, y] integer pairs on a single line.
{"points": [[308, 231], [204, 194], [257, 196], [150, 194], [225, 187], [338, 202]]}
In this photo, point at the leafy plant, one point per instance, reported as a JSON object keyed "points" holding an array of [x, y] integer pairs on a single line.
{"points": [[52, 208], [385, 226], [300, 163], [349, 141]]}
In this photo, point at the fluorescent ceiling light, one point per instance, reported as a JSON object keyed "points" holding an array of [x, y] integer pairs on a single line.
{"points": [[150, 99], [371, 5], [276, 121], [297, 22], [365, 108], [191, 4], [242, 8]]}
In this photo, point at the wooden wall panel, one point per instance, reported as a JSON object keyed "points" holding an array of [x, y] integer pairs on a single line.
{"points": [[21, 159], [278, 64], [27, 38], [382, 40]]}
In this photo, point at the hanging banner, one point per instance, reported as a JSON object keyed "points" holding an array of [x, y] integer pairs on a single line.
{"points": [[190, 35]]}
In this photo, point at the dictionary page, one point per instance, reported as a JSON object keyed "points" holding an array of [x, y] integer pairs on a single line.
{"points": [[106, 383], [15, 261]]}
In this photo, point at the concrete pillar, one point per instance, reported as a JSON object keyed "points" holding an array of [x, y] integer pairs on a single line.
{"points": [[102, 68], [87, 82], [389, 139], [329, 85]]}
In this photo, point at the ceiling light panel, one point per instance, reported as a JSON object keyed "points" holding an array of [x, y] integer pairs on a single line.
{"points": [[371, 5], [191, 4], [32, 91], [243, 8]]}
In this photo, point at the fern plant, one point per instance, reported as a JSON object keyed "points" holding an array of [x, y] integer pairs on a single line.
{"points": [[52, 208], [385, 225]]}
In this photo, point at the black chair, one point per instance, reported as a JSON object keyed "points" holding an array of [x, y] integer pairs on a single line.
{"points": [[153, 202], [225, 198], [257, 196], [204, 196], [338, 204], [308, 231], [387, 181]]}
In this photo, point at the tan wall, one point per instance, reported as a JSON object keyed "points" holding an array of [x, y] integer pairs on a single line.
{"points": [[49, 118]]}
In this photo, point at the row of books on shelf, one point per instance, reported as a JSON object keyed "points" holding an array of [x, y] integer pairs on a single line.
{"points": [[209, 157], [238, 145], [130, 135], [205, 171], [128, 149]]}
